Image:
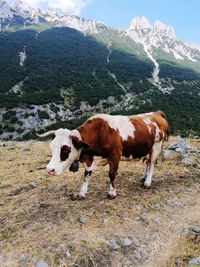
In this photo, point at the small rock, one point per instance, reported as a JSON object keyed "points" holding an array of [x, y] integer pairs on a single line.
{"points": [[82, 219], [195, 228], [19, 257], [69, 194], [197, 239], [179, 150], [15, 242], [25, 149], [61, 245], [167, 153], [57, 188], [179, 262], [9, 144], [187, 161], [157, 220], [127, 242], [150, 237], [135, 241], [185, 232], [68, 254], [157, 206], [194, 261], [41, 263], [33, 184], [105, 221], [114, 245], [144, 252]]}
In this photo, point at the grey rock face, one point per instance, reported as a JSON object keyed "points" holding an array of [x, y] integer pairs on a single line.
{"points": [[194, 261], [196, 228], [41, 263], [187, 161], [179, 144], [167, 153], [185, 232]]}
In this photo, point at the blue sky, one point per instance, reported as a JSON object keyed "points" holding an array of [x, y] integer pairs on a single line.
{"points": [[183, 15]]}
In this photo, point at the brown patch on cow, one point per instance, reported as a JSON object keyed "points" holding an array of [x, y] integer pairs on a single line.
{"points": [[141, 144], [102, 140], [78, 144]]}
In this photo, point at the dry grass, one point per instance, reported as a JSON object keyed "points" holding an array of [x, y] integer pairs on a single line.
{"points": [[44, 222]]}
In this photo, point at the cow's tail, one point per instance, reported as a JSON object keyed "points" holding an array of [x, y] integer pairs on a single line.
{"points": [[167, 132]]}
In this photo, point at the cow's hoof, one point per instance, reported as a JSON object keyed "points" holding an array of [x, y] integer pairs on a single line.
{"points": [[111, 196], [80, 197], [146, 186]]}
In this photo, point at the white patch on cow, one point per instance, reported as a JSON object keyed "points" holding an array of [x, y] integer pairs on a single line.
{"points": [[112, 191], [146, 170], [157, 135], [77, 134], [148, 123], [143, 114], [62, 137], [120, 123], [84, 187], [92, 167]]}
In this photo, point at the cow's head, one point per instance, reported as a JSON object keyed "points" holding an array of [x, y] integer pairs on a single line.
{"points": [[66, 147]]}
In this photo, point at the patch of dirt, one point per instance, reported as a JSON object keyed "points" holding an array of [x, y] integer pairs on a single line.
{"points": [[40, 217]]}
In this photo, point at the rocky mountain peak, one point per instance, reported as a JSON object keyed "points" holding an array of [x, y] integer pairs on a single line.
{"points": [[139, 23], [163, 30]]}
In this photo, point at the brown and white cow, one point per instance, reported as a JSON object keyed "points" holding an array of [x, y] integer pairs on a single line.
{"points": [[110, 137]]}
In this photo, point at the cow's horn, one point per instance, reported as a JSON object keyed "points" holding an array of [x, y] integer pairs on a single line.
{"points": [[52, 132]]}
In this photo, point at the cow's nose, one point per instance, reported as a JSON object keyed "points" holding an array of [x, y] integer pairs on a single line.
{"points": [[51, 171]]}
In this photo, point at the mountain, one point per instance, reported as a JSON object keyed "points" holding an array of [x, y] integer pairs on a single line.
{"points": [[57, 69]]}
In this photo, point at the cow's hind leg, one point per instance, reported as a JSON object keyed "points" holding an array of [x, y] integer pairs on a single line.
{"points": [[150, 165], [112, 174], [146, 170]]}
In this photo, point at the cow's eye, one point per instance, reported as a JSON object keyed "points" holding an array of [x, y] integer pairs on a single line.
{"points": [[64, 153]]}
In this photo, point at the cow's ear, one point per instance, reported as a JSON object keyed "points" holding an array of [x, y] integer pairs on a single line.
{"points": [[78, 143]]}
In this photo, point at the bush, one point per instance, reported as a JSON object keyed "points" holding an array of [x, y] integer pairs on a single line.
{"points": [[43, 114]]}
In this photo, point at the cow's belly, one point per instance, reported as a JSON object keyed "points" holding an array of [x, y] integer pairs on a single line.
{"points": [[136, 150], [99, 161]]}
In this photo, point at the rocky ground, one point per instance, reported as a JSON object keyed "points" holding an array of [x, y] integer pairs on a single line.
{"points": [[43, 224]]}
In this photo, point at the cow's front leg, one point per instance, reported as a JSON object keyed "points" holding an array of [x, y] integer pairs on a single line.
{"points": [[112, 174], [89, 167], [84, 187]]}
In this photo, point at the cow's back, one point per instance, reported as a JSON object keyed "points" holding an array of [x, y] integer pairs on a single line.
{"points": [[130, 135]]}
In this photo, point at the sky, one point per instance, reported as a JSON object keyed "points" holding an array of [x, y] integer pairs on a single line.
{"points": [[183, 15]]}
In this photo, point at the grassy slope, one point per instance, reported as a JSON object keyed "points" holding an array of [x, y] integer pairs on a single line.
{"points": [[43, 222]]}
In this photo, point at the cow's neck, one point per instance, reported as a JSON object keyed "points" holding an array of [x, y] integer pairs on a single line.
{"points": [[88, 136]]}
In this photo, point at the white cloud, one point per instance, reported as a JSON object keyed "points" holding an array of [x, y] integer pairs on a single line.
{"points": [[69, 6]]}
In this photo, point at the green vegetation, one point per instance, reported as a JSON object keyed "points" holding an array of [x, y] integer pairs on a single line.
{"points": [[65, 67]]}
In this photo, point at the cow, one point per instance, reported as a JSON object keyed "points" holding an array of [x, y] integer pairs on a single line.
{"points": [[109, 137]]}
